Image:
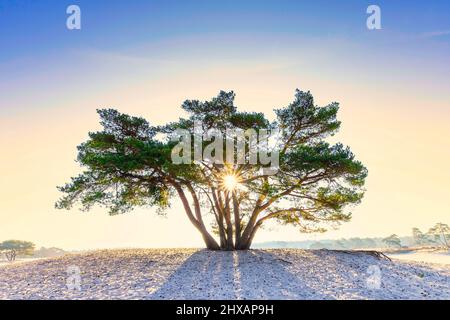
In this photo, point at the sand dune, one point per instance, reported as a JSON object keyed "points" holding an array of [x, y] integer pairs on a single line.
{"points": [[202, 274]]}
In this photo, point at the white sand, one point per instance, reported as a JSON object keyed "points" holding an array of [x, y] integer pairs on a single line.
{"points": [[202, 274], [424, 256]]}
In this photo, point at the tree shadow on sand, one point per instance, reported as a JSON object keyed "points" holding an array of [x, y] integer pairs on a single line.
{"points": [[252, 274]]}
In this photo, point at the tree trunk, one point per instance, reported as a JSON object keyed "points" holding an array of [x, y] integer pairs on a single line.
{"points": [[237, 220], [224, 207], [223, 237], [220, 220], [246, 237], [210, 242], [230, 245], [246, 241], [232, 237]]}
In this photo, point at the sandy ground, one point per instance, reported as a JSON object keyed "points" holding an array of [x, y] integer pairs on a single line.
{"points": [[423, 255], [202, 274]]}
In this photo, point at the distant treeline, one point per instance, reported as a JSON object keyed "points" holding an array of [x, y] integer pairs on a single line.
{"points": [[341, 244], [438, 235], [12, 249], [48, 252]]}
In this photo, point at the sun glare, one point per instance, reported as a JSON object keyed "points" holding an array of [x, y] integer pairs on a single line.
{"points": [[230, 182]]}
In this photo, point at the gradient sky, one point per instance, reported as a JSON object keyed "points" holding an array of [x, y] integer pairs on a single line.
{"points": [[146, 57]]}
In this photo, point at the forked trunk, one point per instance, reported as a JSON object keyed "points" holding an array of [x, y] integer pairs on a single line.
{"points": [[230, 234]]}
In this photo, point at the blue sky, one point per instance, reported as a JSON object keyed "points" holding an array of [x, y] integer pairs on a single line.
{"points": [[30, 27]]}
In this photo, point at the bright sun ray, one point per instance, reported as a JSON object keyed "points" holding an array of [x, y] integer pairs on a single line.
{"points": [[230, 182]]}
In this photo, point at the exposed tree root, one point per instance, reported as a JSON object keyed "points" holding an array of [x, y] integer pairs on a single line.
{"points": [[374, 253]]}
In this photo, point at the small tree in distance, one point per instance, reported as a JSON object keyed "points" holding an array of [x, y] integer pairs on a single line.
{"points": [[440, 233], [129, 164], [392, 241], [418, 237], [14, 248]]}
